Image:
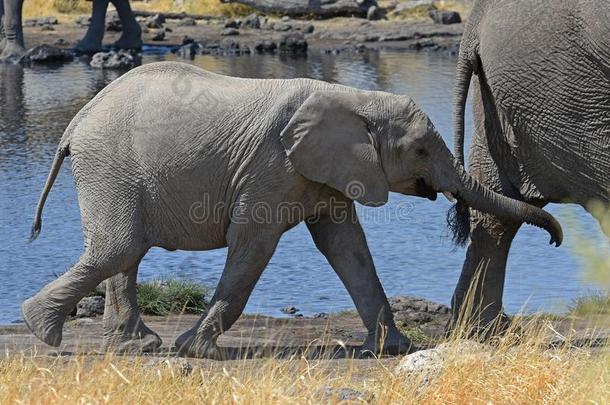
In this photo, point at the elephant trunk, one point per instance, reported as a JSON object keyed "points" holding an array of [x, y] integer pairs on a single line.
{"points": [[472, 193]]}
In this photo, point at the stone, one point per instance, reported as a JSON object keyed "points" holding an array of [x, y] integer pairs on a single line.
{"points": [[252, 21], [410, 5], [232, 24], [114, 60], [320, 9], [445, 17], [159, 36], [47, 28], [282, 27], [307, 28], [344, 394], [90, 306], [155, 21], [187, 22], [289, 310], [294, 43], [46, 54], [229, 43], [230, 32], [266, 45], [429, 363], [83, 21], [415, 310]]}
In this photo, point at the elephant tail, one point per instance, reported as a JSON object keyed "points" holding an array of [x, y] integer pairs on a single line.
{"points": [[464, 71], [61, 153]]}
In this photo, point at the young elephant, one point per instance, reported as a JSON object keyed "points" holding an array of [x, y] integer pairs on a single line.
{"points": [[173, 156]]}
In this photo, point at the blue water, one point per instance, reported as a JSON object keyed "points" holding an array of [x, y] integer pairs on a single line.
{"points": [[407, 237]]}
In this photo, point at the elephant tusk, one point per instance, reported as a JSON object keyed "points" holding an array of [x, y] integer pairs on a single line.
{"points": [[449, 196]]}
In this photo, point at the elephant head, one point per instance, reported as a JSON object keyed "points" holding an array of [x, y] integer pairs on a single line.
{"points": [[366, 144]]}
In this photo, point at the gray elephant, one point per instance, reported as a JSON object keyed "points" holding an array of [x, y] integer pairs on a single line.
{"points": [[541, 100], [12, 45], [173, 156]]}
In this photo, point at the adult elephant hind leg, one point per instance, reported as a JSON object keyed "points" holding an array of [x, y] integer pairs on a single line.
{"points": [[477, 308], [250, 249], [124, 329], [343, 243], [46, 312]]}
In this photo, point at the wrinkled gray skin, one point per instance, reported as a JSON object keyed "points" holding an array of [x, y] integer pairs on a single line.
{"points": [[541, 100], [12, 46], [170, 155]]}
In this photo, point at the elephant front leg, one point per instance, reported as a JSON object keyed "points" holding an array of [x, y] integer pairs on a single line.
{"points": [[250, 249], [477, 300], [124, 329], [343, 243]]}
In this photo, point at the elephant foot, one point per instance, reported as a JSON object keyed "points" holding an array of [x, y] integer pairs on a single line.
{"points": [[484, 328], [395, 343], [12, 52], [139, 343], [88, 47], [203, 349], [45, 324]]}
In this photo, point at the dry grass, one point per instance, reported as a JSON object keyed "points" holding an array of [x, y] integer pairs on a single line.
{"points": [[523, 373], [65, 9]]}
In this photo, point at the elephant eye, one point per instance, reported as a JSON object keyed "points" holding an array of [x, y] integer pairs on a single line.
{"points": [[421, 153]]}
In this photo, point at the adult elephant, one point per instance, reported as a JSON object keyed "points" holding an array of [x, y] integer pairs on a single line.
{"points": [[188, 159], [541, 101], [12, 45]]}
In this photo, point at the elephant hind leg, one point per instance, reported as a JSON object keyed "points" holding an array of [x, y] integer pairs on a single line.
{"points": [[46, 312], [124, 329]]}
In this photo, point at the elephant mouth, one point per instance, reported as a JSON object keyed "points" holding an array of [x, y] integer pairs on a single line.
{"points": [[424, 190]]}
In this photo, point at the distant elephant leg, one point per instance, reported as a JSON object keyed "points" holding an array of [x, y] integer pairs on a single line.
{"points": [[92, 41], [249, 252], [124, 329], [2, 34], [131, 36], [343, 243], [46, 312], [14, 46]]}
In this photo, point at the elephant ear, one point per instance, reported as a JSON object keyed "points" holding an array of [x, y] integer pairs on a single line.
{"points": [[328, 141]]}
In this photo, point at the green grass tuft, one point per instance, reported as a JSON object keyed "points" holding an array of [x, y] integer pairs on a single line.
{"points": [[162, 297], [594, 304]]}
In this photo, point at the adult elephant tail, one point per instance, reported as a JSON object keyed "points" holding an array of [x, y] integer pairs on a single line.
{"points": [[463, 75], [62, 152]]}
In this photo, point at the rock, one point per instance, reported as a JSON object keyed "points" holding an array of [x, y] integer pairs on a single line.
{"points": [[47, 28], [410, 5], [307, 28], [445, 17], [159, 36], [187, 22], [233, 24], [289, 310], [266, 45], [50, 20], [113, 23], [429, 363], [372, 13], [90, 306], [114, 60], [282, 27], [321, 315], [229, 43], [344, 394], [83, 21], [182, 366], [155, 21], [320, 9], [30, 23], [230, 32], [293, 43], [415, 310], [252, 21], [45, 54], [189, 48]]}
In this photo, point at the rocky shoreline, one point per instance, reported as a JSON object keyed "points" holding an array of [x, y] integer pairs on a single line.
{"points": [[187, 36]]}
